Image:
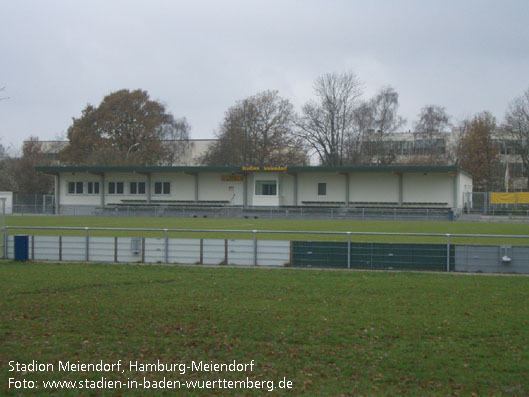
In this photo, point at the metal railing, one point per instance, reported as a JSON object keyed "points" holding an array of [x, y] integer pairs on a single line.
{"points": [[347, 250], [300, 212]]}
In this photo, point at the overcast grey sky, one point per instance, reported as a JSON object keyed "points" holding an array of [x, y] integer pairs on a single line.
{"points": [[200, 57]]}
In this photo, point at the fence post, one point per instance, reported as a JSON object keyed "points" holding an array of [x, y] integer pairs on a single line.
{"points": [[255, 247], [448, 252], [86, 244], [166, 240], [4, 232], [5, 239], [348, 250]]}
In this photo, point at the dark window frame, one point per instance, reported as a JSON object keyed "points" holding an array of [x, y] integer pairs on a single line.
{"points": [[116, 187], [162, 188], [92, 187], [266, 187], [76, 187], [322, 188]]}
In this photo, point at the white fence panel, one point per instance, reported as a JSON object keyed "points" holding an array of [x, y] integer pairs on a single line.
{"points": [[154, 250], [273, 253], [46, 248], [73, 248], [213, 251], [10, 249], [101, 249], [127, 251], [185, 251], [240, 252]]}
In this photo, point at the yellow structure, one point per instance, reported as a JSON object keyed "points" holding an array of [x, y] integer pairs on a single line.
{"points": [[509, 198]]}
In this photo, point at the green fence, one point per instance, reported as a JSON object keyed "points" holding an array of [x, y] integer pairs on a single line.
{"points": [[319, 254], [397, 256]]}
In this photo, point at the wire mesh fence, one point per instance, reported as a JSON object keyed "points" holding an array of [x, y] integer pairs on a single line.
{"points": [[481, 203]]}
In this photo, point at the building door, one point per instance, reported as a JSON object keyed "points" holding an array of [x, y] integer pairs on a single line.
{"points": [[237, 190]]}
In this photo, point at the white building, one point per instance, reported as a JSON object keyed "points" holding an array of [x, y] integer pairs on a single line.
{"points": [[195, 149], [7, 206], [347, 186]]}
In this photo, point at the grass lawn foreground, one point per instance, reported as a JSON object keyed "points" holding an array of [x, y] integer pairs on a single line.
{"points": [[328, 332]]}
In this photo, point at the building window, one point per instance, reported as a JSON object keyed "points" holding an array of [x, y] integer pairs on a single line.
{"points": [[322, 189], [137, 188], [162, 187], [75, 187], [266, 188], [115, 187], [92, 187]]}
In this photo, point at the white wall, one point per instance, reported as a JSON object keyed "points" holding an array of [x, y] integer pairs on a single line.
{"points": [[182, 186], [8, 203], [250, 186], [286, 189], [428, 188], [308, 187], [258, 200], [126, 178], [364, 187], [213, 188], [465, 186], [66, 198], [374, 187]]}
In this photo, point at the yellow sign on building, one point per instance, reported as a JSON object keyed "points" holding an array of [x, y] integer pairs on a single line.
{"points": [[275, 168], [231, 178]]}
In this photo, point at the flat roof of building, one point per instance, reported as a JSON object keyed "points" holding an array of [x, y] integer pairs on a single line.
{"points": [[293, 169]]}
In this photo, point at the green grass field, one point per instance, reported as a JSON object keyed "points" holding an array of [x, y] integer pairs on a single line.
{"points": [[286, 225], [328, 332]]}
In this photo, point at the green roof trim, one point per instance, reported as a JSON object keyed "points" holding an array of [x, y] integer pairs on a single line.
{"points": [[367, 168], [55, 169]]}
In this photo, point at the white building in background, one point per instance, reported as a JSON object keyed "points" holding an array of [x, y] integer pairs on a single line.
{"points": [[8, 197], [347, 186], [195, 150]]}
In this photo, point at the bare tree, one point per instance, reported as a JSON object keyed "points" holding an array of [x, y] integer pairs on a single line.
{"points": [[432, 119], [257, 131], [19, 175], [3, 153], [516, 127], [380, 119], [175, 136], [328, 123]]}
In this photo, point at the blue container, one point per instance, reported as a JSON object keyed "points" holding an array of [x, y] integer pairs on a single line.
{"points": [[21, 248]]}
